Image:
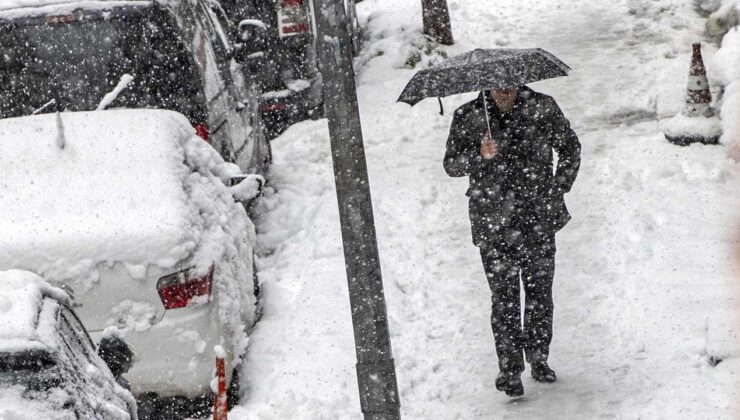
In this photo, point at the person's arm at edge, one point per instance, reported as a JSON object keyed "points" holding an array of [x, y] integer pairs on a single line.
{"points": [[565, 142]]}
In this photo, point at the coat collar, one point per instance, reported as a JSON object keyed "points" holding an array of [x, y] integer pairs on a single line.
{"points": [[492, 105]]}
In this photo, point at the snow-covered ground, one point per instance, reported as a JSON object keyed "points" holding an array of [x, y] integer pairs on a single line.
{"points": [[646, 301]]}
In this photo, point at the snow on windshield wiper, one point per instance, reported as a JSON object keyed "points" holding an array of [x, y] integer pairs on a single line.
{"points": [[43, 107], [112, 95]]}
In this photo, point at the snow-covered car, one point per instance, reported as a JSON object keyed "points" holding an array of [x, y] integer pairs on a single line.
{"points": [[133, 212], [48, 365], [68, 55]]}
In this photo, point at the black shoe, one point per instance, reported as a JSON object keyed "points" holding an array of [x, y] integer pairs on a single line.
{"points": [[510, 383], [541, 372]]}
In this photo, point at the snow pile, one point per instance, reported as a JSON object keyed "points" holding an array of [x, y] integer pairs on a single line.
{"points": [[21, 297], [725, 66], [724, 15], [726, 70], [304, 337], [396, 42], [683, 125], [225, 237]]}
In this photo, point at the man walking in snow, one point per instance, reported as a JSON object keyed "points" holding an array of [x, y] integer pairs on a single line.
{"points": [[503, 141]]}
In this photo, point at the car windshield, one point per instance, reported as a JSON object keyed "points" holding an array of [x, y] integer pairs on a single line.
{"points": [[58, 64]]}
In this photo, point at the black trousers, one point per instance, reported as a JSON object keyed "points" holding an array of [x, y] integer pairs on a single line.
{"points": [[534, 265]]}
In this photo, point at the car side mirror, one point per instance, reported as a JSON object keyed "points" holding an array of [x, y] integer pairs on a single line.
{"points": [[253, 40], [115, 352], [245, 188]]}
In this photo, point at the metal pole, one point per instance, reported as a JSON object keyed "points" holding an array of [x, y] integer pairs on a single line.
{"points": [[376, 375]]}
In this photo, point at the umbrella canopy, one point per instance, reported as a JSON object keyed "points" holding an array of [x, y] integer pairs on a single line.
{"points": [[483, 69]]}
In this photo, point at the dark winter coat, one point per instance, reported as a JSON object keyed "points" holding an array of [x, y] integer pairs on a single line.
{"points": [[514, 197]]}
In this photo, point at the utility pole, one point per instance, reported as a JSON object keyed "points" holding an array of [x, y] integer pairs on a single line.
{"points": [[376, 374], [436, 17]]}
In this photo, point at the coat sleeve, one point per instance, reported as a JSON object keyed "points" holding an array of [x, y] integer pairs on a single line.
{"points": [[457, 157], [565, 142]]}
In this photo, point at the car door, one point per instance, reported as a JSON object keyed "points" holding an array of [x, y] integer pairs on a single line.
{"points": [[214, 85], [245, 123]]}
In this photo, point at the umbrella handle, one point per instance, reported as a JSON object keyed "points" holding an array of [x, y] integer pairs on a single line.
{"points": [[441, 108], [485, 111]]}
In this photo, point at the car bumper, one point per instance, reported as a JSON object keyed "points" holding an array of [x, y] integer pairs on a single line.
{"points": [[175, 356], [293, 103]]}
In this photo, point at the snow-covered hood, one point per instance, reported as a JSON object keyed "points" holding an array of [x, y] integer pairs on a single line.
{"points": [[110, 188]]}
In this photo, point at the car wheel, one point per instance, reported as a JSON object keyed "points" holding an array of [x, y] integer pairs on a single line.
{"points": [[316, 113], [151, 407]]}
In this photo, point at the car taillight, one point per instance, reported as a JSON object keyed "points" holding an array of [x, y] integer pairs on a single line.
{"points": [[55, 20], [293, 17], [273, 107], [177, 290], [202, 131]]}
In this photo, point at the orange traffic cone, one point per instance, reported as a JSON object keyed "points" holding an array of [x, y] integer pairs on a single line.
{"points": [[697, 123], [698, 96], [220, 406]]}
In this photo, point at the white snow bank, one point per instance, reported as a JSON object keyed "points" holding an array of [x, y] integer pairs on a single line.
{"points": [[725, 67], [114, 193], [21, 296], [684, 125], [248, 189], [723, 17], [725, 64]]}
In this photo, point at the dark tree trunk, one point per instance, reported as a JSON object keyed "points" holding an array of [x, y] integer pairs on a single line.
{"points": [[437, 21]]}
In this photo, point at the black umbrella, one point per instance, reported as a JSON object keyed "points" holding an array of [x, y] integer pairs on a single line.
{"points": [[483, 69]]}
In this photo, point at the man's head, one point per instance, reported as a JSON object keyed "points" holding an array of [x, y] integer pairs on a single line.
{"points": [[505, 98]]}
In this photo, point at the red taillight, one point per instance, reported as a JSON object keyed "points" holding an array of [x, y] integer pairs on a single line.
{"points": [[293, 17], [177, 290], [202, 131], [273, 107], [53, 20], [294, 29]]}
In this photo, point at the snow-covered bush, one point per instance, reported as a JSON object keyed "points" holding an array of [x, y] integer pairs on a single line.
{"points": [[724, 17], [725, 66]]}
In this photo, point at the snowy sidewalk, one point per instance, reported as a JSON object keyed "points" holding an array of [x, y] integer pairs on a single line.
{"points": [[645, 300]]}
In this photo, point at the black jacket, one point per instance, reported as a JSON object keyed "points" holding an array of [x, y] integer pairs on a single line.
{"points": [[514, 197]]}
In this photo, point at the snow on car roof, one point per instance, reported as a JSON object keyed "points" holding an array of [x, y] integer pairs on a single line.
{"points": [[114, 192], [13, 9], [22, 325]]}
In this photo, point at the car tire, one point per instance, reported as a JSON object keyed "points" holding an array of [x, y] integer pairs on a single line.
{"points": [[316, 113]]}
